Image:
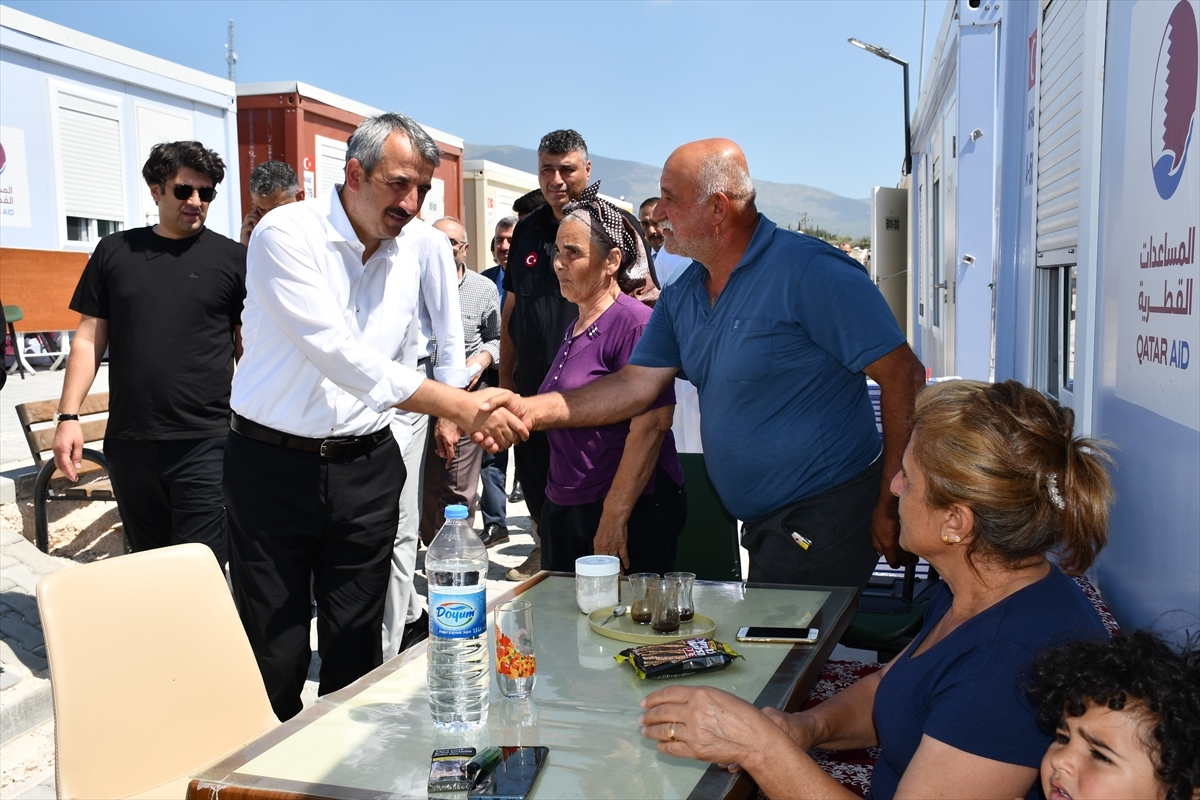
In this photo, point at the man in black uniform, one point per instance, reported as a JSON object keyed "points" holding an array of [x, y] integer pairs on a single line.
{"points": [[167, 302], [535, 314]]}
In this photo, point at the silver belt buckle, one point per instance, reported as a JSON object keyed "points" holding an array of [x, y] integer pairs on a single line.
{"points": [[324, 444]]}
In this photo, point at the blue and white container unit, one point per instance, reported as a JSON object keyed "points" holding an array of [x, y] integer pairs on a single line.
{"points": [[1054, 205], [78, 117]]}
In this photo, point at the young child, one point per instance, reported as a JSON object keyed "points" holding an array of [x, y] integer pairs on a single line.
{"points": [[1126, 718]]}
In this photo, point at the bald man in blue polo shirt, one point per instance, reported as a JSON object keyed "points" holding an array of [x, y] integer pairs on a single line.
{"points": [[778, 331]]}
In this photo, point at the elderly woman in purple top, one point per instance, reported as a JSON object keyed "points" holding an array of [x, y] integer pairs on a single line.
{"points": [[617, 489]]}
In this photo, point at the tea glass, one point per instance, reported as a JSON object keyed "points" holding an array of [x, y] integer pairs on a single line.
{"points": [[665, 616], [685, 581], [516, 664], [640, 608]]}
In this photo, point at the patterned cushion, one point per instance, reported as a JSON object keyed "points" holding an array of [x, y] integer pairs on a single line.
{"points": [[851, 768]]}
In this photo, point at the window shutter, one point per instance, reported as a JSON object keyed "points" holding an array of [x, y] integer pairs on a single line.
{"points": [[1059, 134], [155, 126], [90, 134], [331, 164]]}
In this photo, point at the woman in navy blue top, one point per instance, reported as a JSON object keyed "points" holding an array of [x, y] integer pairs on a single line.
{"points": [[992, 480]]}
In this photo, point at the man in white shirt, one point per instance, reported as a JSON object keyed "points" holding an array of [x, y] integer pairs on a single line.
{"points": [[312, 470], [404, 619]]}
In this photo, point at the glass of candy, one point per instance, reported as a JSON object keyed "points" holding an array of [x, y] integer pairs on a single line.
{"points": [[516, 664]]}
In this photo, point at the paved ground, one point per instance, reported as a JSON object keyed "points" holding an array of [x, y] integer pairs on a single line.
{"points": [[26, 707]]}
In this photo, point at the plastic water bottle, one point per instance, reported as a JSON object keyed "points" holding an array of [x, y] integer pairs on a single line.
{"points": [[458, 668]]}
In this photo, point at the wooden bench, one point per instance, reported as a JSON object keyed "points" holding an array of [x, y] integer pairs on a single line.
{"points": [[37, 421]]}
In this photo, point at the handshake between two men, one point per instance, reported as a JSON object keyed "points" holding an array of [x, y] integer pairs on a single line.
{"points": [[498, 418]]}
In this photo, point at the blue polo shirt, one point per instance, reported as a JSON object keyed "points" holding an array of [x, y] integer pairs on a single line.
{"points": [[784, 410]]}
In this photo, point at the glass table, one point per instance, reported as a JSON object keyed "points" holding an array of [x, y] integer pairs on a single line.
{"points": [[374, 738]]}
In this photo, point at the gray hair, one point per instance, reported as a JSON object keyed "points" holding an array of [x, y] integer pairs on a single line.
{"points": [[366, 143], [272, 177], [719, 173], [506, 223]]}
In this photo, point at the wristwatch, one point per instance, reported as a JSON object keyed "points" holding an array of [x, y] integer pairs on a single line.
{"points": [[65, 417]]}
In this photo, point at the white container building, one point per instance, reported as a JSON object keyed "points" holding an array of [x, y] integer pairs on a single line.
{"points": [[1054, 203]]}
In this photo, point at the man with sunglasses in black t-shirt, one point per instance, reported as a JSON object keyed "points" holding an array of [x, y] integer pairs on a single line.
{"points": [[166, 301]]}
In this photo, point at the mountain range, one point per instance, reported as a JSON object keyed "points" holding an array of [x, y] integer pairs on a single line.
{"points": [[781, 202]]}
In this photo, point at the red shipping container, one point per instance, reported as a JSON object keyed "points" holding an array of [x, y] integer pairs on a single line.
{"points": [[307, 128]]}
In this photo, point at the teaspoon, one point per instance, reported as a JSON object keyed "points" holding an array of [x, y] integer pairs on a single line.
{"points": [[616, 612]]}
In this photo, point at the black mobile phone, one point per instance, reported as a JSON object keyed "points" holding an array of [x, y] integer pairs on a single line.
{"points": [[513, 777], [757, 633]]}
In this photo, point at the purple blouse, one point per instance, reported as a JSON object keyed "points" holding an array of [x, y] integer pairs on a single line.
{"points": [[584, 461]]}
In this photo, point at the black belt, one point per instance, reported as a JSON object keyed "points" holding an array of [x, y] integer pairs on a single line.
{"points": [[337, 447]]}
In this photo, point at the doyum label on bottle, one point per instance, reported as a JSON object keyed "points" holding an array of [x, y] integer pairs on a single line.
{"points": [[458, 616]]}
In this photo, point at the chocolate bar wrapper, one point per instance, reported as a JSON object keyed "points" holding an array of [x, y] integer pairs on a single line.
{"points": [[447, 770], [679, 658]]}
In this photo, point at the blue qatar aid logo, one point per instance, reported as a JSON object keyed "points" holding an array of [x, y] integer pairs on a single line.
{"points": [[1173, 104], [453, 614]]}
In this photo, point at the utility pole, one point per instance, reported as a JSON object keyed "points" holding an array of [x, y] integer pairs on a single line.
{"points": [[804, 222], [231, 55]]}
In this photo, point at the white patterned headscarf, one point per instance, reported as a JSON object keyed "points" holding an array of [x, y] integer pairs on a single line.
{"points": [[606, 220]]}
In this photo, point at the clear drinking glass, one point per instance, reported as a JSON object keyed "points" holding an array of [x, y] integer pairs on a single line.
{"points": [[665, 618], [516, 665], [684, 580], [640, 610]]}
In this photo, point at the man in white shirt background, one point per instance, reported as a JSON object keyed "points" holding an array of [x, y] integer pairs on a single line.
{"points": [[312, 470], [669, 267], [440, 333], [454, 480]]}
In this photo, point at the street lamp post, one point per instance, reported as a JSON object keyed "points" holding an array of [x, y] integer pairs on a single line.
{"points": [[883, 52]]}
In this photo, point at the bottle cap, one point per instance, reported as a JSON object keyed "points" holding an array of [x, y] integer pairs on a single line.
{"points": [[597, 566], [456, 512]]}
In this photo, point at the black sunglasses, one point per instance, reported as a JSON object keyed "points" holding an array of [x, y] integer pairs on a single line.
{"points": [[184, 192]]}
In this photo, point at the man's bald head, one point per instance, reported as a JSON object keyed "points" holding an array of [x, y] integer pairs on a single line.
{"points": [[715, 165], [458, 239], [707, 208]]}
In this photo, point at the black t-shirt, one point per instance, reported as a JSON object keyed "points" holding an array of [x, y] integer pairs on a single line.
{"points": [[541, 314], [171, 306]]}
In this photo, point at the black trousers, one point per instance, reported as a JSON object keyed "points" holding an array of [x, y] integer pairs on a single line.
{"points": [[654, 527], [169, 492], [533, 470], [836, 521], [298, 520]]}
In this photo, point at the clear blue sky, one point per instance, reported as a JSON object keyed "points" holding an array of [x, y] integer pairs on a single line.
{"points": [[636, 79]]}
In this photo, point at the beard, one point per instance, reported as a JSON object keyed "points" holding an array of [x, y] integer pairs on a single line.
{"points": [[680, 244]]}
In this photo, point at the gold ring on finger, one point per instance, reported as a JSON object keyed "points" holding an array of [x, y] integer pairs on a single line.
{"points": [[671, 731]]}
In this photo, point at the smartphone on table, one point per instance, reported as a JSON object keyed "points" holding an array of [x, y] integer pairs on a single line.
{"points": [[760, 633], [513, 777]]}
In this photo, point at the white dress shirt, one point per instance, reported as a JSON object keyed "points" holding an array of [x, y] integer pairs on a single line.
{"points": [[686, 424], [668, 265], [438, 312], [330, 342]]}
